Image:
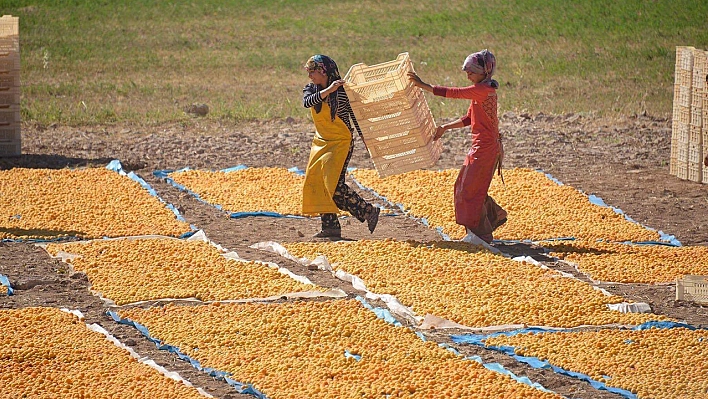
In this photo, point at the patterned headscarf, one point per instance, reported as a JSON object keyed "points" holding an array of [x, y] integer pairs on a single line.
{"points": [[482, 62], [329, 67]]}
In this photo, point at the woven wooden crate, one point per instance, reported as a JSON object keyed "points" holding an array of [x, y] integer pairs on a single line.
{"points": [[682, 150], [10, 115], [695, 135], [365, 83], [695, 153], [704, 178], [698, 97], [10, 133], [682, 169], [401, 141], [387, 104], [413, 159], [680, 132], [696, 116], [681, 115], [692, 288], [9, 26], [700, 69], [682, 96], [9, 97], [11, 148], [9, 46], [673, 166], [684, 58], [10, 64], [694, 172], [9, 80]]}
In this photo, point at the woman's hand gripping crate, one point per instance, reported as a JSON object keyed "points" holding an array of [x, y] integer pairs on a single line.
{"points": [[393, 115]]}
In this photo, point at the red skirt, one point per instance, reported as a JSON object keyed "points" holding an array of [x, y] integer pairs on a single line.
{"points": [[475, 209]]}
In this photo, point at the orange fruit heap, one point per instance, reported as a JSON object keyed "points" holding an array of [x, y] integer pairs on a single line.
{"points": [[538, 207], [132, 270], [298, 350], [47, 353], [247, 190], [88, 203], [470, 286], [653, 363], [632, 263]]}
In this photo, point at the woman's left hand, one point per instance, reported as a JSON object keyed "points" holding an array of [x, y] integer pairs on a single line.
{"points": [[439, 132]]}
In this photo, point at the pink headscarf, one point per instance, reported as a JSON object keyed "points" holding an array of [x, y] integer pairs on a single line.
{"points": [[484, 63]]}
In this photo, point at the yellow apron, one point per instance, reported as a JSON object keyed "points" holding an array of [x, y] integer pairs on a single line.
{"points": [[330, 148]]}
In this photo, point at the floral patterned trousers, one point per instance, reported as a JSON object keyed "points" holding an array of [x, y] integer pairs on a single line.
{"points": [[346, 199]]}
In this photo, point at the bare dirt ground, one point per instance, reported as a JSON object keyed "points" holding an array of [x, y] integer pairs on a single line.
{"points": [[624, 161]]}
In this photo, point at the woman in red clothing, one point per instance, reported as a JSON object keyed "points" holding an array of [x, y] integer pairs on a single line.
{"points": [[474, 209]]}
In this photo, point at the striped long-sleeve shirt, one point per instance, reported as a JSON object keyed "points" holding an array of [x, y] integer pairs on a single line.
{"points": [[311, 97]]}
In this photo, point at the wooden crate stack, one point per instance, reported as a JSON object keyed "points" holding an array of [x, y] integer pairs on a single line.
{"points": [[688, 135], [10, 137], [393, 115]]}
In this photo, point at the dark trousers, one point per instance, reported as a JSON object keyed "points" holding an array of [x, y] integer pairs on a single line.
{"points": [[346, 199]]}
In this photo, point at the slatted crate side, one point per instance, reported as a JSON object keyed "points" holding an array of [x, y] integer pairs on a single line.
{"points": [[11, 148], [9, 97], [704, 177], [682, 96], [684, 58], [9, 26], [700, 69], [682, 115], [10, 115], [681, 150], [399, 142], [10, 133], [684, 78], [413, 159], [698, 98], [695, 172], [10, 46], [695, 135], [673, 166], [695, 153], [387, 124], [10, 64], [696, 116], [365, 83], [680, 132], [682, 169], [397, 101], [9, 80], [692, 288]]}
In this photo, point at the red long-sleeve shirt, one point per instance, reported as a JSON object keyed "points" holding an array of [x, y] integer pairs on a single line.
{"points": [[482, 113]]}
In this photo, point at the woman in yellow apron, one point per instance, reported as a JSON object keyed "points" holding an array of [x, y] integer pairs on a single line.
{"points": [[324, 191]]}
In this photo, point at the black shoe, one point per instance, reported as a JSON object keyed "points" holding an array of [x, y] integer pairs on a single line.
{"points": [[328, 233], [373, 219]]}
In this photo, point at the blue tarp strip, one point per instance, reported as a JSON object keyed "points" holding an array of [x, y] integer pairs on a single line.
{"points": [[666, 239], [478, 340], [221, 375], [6, 282], [388, 317]]}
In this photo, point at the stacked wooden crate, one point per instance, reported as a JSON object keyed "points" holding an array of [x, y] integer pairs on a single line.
{"points": [[689, 141], [393, 115], [699, 106], [10, 138]]}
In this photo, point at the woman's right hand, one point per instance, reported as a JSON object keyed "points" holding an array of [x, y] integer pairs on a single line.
{"points": [[334, 86]]}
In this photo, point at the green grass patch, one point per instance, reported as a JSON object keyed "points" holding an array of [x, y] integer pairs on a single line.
{"points": [[138, 61]]}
